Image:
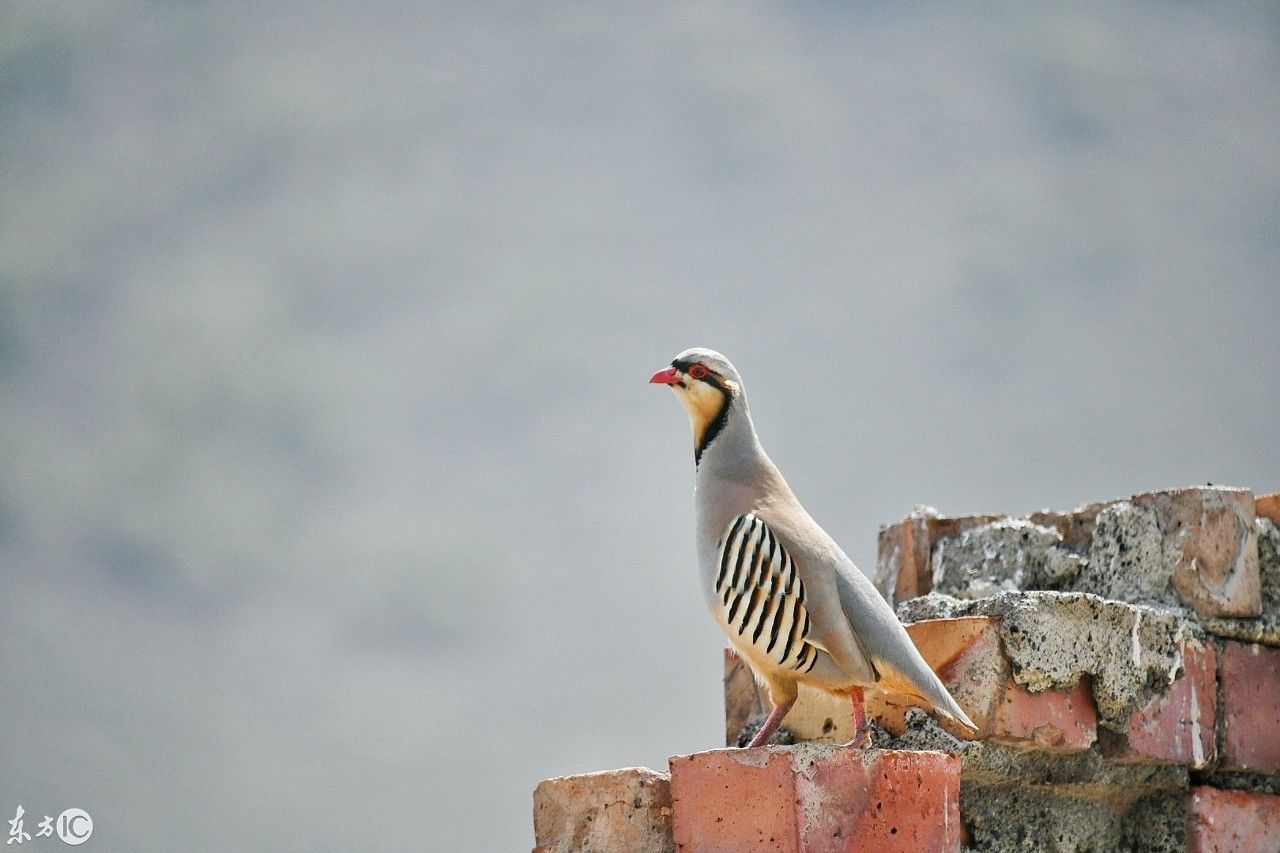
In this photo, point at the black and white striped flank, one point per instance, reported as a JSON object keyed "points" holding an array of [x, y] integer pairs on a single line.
{"points": [[761, 597]]}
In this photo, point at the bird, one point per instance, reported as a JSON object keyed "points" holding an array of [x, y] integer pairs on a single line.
{"points": [[792, 604]]}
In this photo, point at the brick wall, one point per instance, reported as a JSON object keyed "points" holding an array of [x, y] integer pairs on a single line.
{"points": [[1122, 663]]}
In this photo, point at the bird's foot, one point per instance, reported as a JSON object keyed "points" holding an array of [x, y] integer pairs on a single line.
{"points": [[861, 740], [861, 732], [782, 737], [771, 724]]}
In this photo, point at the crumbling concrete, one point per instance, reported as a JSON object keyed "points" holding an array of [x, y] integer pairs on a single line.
{"points": [[1054, 639], [1156, 824], [1126, 557], [1008, 554], [1192, 547], [1239, 780], [1015, 817]]}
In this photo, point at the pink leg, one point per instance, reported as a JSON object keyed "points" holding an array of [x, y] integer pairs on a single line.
{"points": [[861, 736], [771, 724]]}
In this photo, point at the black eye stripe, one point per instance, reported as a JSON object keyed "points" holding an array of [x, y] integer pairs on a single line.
{"points": [[711, 378]]}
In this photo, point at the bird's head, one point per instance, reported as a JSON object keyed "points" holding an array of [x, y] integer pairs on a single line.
{"points": [[706, 384]]}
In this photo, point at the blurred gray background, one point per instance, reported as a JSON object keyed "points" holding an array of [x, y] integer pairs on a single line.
{"points": [[335, 509]]}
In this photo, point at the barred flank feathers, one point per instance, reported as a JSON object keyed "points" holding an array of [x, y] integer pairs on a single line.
{"points": [[761, 595]]}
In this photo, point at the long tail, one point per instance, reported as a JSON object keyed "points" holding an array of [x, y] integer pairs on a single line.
{"points": [[927, 689]]}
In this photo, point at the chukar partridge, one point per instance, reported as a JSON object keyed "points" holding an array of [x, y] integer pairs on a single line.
{"points": [[794, 606]]}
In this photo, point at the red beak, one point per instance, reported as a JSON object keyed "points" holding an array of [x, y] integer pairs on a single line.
{"points": [[670, 376]]}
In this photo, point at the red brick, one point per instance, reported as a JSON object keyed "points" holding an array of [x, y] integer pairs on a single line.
{"points": [[1178, 725], [1268, 506], [1251, 707], [735, 799], [815, 798], [1051, 719], [902, 560], [1210, 548], [903, 565], [1075, 526], [628, 809], [1227, 821], [967, 655], [890, 800]]}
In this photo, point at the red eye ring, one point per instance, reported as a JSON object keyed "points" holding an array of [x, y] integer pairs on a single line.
{"points": [[697, 371]]}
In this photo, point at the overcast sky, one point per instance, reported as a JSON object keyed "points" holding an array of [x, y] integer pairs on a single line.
{"points": [[335, 509]]}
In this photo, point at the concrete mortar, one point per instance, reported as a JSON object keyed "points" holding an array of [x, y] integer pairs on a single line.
{"points": [[1126, 557], [1008, 554]]}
